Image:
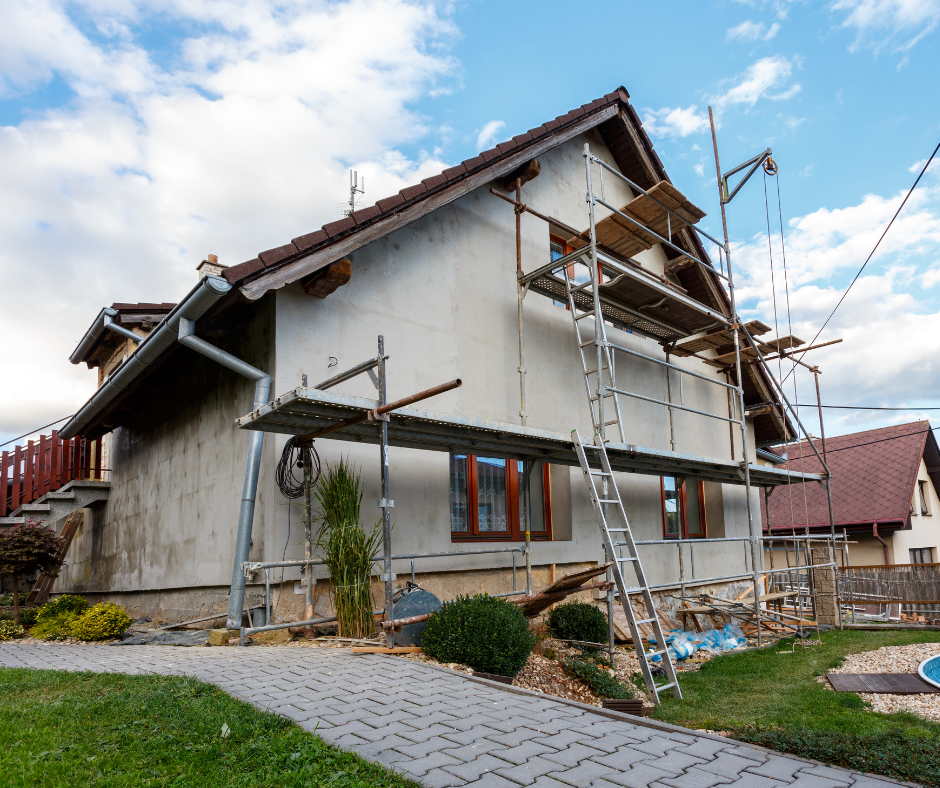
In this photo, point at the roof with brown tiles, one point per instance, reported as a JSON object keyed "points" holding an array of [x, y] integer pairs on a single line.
{"points": [[873, 476], [332, 232]]}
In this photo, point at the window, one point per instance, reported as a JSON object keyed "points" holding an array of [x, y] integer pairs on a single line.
{"points": [[683, 508], [485, 502], [578, 272], [922, 489], [922, 555]]}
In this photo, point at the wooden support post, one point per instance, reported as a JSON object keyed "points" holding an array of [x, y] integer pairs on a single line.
{"points": [[17, 496], [4, 483], [29, 472]]}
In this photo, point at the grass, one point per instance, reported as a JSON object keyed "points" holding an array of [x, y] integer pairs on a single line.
{"points": [[68, 729], [773, 698]]}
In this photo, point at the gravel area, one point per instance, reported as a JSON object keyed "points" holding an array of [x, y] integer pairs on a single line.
{"points": [[895, 659]]}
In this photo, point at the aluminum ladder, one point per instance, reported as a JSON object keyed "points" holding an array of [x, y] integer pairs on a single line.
{"points": [[595, 353], [601, 501]]}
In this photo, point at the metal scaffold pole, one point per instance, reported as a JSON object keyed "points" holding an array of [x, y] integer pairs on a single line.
{"points": [[745, 464], [386, 502]]}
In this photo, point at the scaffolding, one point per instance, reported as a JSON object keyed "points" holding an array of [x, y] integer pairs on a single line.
{"points": [[602, 284]]}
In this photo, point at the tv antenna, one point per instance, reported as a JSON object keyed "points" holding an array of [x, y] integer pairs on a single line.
{"points": [[354, 189]]}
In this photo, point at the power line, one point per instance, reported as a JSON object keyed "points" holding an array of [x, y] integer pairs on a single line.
{"points": [[856, 407], [868, 259], [13, 440], [869, 443]]}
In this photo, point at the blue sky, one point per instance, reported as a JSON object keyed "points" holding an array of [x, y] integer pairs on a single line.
{"points": [[137, 137]]}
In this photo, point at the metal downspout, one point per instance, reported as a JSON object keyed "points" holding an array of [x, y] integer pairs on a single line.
{"points": [[236, 601], [874, 532]]}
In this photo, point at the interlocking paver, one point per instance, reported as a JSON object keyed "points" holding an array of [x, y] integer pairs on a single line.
{"points": [[778, 768], [473, 770], [695, 778], [572, 755], [523, 752], [584, 774], [827, 772], [728, 764], [527, 772], [640, 775], [448, 730]]}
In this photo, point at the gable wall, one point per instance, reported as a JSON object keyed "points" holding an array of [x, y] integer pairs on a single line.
{"points": [[442, 292]]}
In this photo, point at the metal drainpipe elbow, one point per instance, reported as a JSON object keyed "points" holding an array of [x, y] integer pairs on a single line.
{"points": [[874, 531]]}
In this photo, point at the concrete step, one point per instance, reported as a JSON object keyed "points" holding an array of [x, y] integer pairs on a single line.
{"points": [[53, 506], [7, 521]]}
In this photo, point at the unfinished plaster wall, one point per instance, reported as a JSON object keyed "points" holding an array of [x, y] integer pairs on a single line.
{"points": [[178, 468], [442, 291]]}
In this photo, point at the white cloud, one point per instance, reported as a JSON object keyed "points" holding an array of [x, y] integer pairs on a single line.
{"points": [[889, 324], [678, 122], [896, 23], [758, 81], [752, 31], [242, 142], [488, 134]]}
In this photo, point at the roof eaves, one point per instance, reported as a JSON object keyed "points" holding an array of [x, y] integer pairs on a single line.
{"points": [[253, 278]]}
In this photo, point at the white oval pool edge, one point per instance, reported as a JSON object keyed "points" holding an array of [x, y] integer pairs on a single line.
{"points": [[920, 670]]}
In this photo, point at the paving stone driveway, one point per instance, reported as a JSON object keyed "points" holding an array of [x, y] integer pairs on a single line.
{"points": [[444, 729]]}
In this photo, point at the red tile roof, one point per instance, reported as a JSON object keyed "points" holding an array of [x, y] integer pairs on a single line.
{"points": [[873, 476], [333, 231]]}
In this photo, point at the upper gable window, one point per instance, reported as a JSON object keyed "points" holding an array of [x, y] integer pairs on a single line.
{"points": [[924, 498]]}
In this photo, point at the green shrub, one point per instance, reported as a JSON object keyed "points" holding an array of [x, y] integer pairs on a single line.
{"points": [[7, 599], [28, 616], [483, 632], [65, 604], [57, 628], [913, 758], [578, 621], [9, 630], [601, 681], [105, 620]]}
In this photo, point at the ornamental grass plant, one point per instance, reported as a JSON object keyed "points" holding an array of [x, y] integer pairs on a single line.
{"points": [[347, 550], [55, 618]]}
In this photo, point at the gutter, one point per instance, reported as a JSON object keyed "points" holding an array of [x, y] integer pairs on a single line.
{"points": [[199, 300]]}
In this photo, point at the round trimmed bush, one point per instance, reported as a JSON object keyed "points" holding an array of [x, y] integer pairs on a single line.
{"points": [[484, 632], [578, 621], [103, 621]]}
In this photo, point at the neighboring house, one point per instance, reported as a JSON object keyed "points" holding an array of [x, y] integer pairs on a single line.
{"points": [[434, 270], [884, 494]]}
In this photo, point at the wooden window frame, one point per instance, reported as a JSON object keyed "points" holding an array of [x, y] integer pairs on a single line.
{"points": [[683, 510], [514, 534], [566, 248]]}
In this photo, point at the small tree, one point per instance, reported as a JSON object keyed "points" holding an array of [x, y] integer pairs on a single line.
{"points": [[25, 549]]}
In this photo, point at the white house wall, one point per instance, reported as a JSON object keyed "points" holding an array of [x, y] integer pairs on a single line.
{"points": [[442, 292], [925, 528]]}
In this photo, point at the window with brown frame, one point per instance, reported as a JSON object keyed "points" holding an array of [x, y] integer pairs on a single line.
{"points": [[485, 504], [921, 555], [683, 505]]}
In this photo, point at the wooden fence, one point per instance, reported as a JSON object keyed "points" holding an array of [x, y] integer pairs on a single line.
{"points": [[29, 472], [908, 588]]}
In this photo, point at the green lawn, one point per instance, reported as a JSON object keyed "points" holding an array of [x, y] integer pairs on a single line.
{"points": [[773, 698], [77, 729]]}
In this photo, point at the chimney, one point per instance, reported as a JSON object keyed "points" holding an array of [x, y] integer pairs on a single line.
{"points": [[210, 267]]}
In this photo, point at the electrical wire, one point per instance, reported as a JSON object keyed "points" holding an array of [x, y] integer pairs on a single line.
{"points": [[13, 440], [879, 440], [293, 457], [868, 259], [857, 407]]}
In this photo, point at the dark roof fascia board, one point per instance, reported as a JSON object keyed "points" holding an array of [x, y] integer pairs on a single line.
{"points": [[931, 447], [309, 263]]}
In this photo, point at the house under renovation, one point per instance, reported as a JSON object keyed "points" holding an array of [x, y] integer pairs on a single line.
{"points": [[610, 404]]}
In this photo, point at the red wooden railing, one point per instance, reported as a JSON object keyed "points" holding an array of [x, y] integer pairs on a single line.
{"points": [[29, 472]]}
